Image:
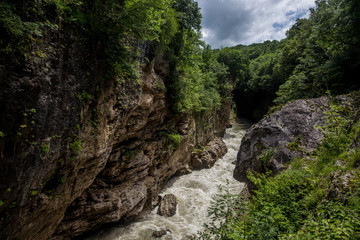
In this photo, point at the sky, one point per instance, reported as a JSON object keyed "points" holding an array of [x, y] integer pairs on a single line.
{"points": [[228, 23]]}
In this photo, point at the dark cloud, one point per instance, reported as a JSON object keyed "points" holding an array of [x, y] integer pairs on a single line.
{"points": [[231, 22]]}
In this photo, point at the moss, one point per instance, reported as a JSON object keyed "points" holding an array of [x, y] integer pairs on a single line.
{"points": [[259, 145], [267, 155], [130, 153], [174, 140], [296, 145], [84, 96], [75, 146], [44, 149], [33, 192]]}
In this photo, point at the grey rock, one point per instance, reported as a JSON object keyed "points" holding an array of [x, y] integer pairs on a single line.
{"points": [[207, 156], [280, 137], [167, 207], [340, 186]]}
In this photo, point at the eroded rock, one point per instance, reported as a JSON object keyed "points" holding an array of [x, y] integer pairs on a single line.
{"points": [[167, 207], [207, 155], [96, 151], [280, 137]]}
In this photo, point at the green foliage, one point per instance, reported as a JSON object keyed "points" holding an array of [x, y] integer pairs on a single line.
{"points": [[266, 155], [188, 14], [225, 207], [296, 144], [45, 149], [1, 203], [172, 140], [122, 30], [299, 203], [33, 192], [332, 220], [2, 134], [75, 146], [255, 71], [84, 96], [196, 78], [131, 153], [321, 53], [175, 140], [61, 179], [23, 23]]}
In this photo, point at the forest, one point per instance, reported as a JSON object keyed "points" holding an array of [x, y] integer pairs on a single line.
{"points": [[318, 55]]}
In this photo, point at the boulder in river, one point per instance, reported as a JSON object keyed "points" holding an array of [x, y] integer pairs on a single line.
{"points": [[159, 234], [208, 155], [167, 206], [280, 137]]}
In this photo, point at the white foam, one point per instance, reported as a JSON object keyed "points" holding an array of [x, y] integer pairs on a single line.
{"points": [[193, 192]]}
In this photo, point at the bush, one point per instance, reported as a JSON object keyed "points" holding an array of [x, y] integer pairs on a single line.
{"points": [[75, 146], [174, 140]]}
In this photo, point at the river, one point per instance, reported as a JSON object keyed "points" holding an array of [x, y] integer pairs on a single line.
{"points": [[193, 192]]}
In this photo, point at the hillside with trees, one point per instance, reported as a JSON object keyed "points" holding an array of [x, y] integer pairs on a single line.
{"points": [[319, 54]]}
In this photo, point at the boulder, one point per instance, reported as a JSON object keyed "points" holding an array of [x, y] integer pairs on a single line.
{"points": [[207, 156], [280, 137], [167, 206], [159, 234]]}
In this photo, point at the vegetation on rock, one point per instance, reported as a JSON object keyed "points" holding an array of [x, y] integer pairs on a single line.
{"points": [[86, 89], [316, 197]]}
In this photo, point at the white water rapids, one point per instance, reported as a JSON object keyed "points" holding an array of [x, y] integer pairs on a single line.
{"points": [[193, 192]]}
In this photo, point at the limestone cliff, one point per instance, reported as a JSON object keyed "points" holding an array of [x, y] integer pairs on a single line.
{"points": [[280, 137], [294, 131], [79, 150]]}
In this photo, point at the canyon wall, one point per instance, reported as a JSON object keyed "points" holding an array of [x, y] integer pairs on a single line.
{"points": [[79, 150]]}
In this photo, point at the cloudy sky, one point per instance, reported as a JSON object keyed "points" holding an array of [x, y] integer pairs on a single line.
{"points": [[231, 22]]}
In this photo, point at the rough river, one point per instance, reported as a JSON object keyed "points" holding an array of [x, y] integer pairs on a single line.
{"points": [[193, 192]]}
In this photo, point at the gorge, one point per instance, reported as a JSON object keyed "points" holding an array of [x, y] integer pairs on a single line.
{"points": [[105, 105], [193, 192]]}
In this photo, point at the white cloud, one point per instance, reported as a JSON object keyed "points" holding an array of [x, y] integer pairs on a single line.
{"points": [[232, 22]]}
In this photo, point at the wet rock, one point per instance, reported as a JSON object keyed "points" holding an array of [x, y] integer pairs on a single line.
{"points": [[280, 137], [228, 125], [207, 156], [167, 207], [159, 234]]}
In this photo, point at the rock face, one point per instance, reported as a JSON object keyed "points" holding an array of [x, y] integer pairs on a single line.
{"points": [[79, 151], [207, 155], [280, 137], [167, 207]]}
